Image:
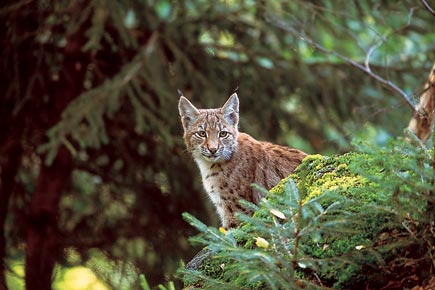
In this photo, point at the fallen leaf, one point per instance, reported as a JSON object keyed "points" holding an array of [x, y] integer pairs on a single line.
{"points": [[277, 213], [261, 243]]}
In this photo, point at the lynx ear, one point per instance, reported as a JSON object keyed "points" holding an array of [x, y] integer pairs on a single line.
{"points": [[231, 110], [188, 112]]}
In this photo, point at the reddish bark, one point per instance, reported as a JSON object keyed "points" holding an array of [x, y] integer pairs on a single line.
{"points": [[42, 236], [422, 121], [9, 163], [43, 240]]}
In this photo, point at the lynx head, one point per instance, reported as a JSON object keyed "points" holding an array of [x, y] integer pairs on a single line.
{"points": [[210, 134]]}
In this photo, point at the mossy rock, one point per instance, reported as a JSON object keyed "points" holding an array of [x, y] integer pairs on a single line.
{"points": [[352, 259], [337, 175]]}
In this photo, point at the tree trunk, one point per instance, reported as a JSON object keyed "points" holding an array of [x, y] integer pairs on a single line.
{"points": [[43, 243], [9, 164], [422, 121], [42, 236]]}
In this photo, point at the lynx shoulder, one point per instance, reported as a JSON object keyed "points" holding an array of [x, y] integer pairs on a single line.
{"points": [[230, 161]]}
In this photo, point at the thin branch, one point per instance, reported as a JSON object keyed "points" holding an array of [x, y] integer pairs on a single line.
{"points": [[369, 54], [428, 7], [14, 7], [384, 38], [364, 68]]}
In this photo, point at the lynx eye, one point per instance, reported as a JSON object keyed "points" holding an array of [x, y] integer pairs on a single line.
{"points": [[201, 134], [223, 134]]}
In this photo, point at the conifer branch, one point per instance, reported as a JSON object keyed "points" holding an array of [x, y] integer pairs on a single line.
{"points": [[297, 235]]}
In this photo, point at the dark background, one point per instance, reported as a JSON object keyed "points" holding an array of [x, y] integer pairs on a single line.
{"points": [[93, 168]]}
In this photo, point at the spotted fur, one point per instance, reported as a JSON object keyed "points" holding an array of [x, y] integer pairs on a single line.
{"points": [[230, 161]]}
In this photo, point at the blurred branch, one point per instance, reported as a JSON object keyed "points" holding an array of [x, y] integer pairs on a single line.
{"points": [[181, 55], [364, 68], [428, 7], [16, 6]]}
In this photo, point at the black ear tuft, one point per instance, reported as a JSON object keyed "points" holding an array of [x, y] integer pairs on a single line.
{"points": [[180, 93]]}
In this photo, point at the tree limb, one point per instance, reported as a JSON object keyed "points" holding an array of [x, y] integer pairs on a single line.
{"points": [[364, 68], [422, 121], [428, 7]]}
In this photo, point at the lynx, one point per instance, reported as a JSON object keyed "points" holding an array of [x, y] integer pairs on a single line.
{"points": [[230, 161]]}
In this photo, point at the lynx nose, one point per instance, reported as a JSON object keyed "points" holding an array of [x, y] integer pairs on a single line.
{"points": [[212, 150]]}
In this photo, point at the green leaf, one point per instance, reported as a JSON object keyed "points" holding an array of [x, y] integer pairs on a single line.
{"points": [[163, 8], [143, 282], [292, 190]]}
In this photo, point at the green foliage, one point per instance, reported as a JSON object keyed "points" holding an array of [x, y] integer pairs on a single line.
{"points": [[145, 286], [100, 79], [356, 219], [143, 283]]}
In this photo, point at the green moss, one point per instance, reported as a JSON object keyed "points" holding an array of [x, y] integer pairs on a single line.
{"points": [[213, 267], [319, 174], [322, 174]]}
